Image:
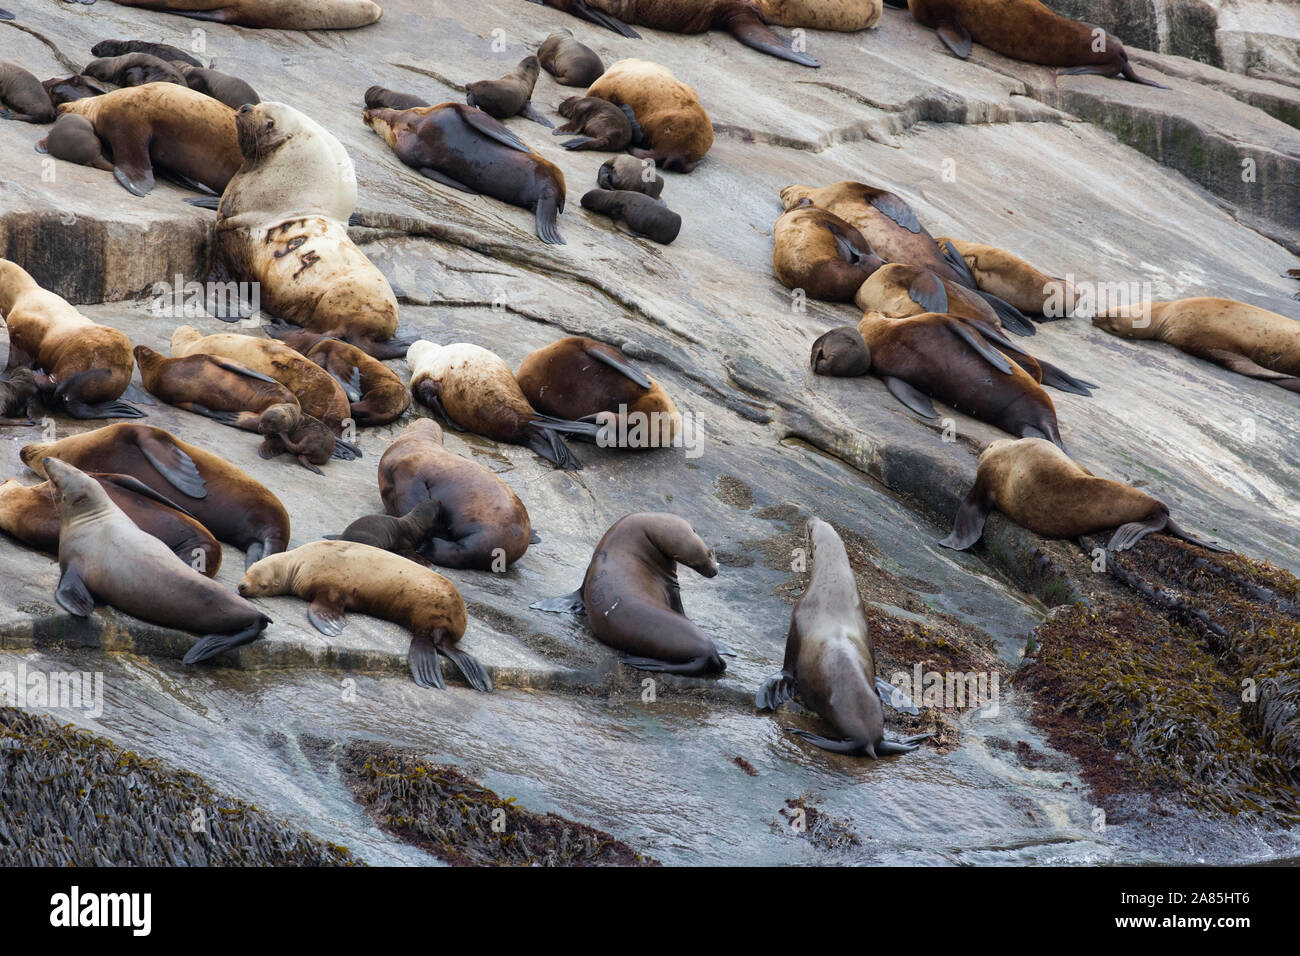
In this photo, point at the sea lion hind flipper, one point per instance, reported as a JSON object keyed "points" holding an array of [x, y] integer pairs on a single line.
{"points": [[1126, 71], [428, 172], [326, 614], [352, 387], [696, 666], [551, 446], [1063, 381], [534, 538], [232, 366], [890, 748], [754, 33], [911, 396], [1011, 318], [895, 698], [856, 748], [1127, 535], [968, 524], [73, 595], [175, 466], [529, 112], [426, 670], [1236, 362], [493, 129], [599, 17], [959, 264], [578, 142], [548, 207], [776, 690], [306, 463], [475, 674], [616, 361], [203, 202], [724, 649], [955, 37], [1178, 531], [570, 603], [211, 645], [976, 341], [103, 410], [346, 451]]}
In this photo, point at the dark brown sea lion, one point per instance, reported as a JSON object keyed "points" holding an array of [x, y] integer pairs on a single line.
{"points": [[341, 576], [133, 69], [402, 535], [464, 148], [223, 87], [161, 50], [818, 252], [635, 213], [377, 97], [271, 14], [830, 660], [72, 138], [603, 125], [104, 556], [376, 394], [22, 97], [16, 392], [628, 172], [570, 62], [221, 497], [68, 88], [675, 128], [509, 96]]}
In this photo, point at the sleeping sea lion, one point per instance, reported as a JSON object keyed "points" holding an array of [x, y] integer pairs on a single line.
{"points": [[378, 97], [603, 125], [570, 62], [133, 69], [223, 87], [628, 172], [162, 51], [271, 14], [635, 213], [68, 88], [22, 97], [16, 393], [1014, 280], [376, 394], [818, 252], [676, 129]]}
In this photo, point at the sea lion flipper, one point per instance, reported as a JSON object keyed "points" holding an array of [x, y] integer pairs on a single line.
{"points": [[1064, 381], [601, 18], [695, 666], [1010, 317], [548, 207], [475, 674], [1127, 535], [326, 614], [958, 264], [534, 538], [975, 341], [428, 172], [493, 129], [895, 698], [927, 291], [529, 112], [426, 671], [724, 649], [890, 748], [897, 209], [570, 603], [1177, 530], [578, 142], [1236, 362], [353, 385], [203, 202], [846, 746], [136, 486], [754, 33], [616, 360], [132, 166], [346, 450], [211, 645], [955, 37], [551, 446], [73, 595], [174, 465], [776, 690], [910, 396], [238, 369], [968, 524]]}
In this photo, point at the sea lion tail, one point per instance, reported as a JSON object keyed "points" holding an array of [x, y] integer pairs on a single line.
{"points": [[211, 645], [776, 690], [470, 668], [550, 446]]}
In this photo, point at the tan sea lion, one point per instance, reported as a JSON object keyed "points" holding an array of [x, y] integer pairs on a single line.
{"points": [[1039, 487], [635, 213], [162, 51], [570, 62], [22, 97], [271, 14], [1242, 338], [628, 172], [676, 128], [830, 660], [84, 367], [844, 15], [104, 556], [341, 576], [603, 125], [223, 87], [818, 252], [1014, 280], [133, 69], [221, 497], [511, 95], [376, 394]]}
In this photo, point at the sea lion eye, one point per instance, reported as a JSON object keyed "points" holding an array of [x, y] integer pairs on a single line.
{"points": [[270, 124]]}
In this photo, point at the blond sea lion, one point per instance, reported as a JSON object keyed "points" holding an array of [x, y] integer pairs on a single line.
{"points": [[570, 62], [271, 14], [22, 96], [844, 15], [511, 95], [676, 128], [818, 252], [375, 393], [1014, 280]]}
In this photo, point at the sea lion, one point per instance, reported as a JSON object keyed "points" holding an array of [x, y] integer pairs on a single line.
{"points": [[162, 51], [31, 514], [282, 223], [478, 521], [22, 97], [830, 660], [223, 87], [1039, 487], [568, 61], [628, 172], [603, 125], [841, 353], [476, 391], [271, 14], [84, 367], [509, 96], [464, 148], [892, 228], [72, 138], [635, 213], [65, 89], [633, 601], [104, 556], [844, 15], [581, 379], [190, 134], [818, 252], [1014, 280], [1025, 30], [237, 395], [402, 535], [1242, 338], [672, 120], [221, 497], [341, 576], [16, 392], [377, 97], [133, 69], [376, 394]]}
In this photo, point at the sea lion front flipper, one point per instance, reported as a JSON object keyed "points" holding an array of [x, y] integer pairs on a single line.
{"points": [[326, 614], [580, 10], [73, 595], [428, 172], [955, 37], [1064, 381], [754, 33], [776, 690], [895, 698], [136, 486], [1236, 362], [426, 670], [103, 410], [6, 15], [132, 166], [578, 142], [616, 360], [306, 463], [493, 129], [975, 341], [570, 603], [534, 538], [898, 210], [238, 369], [911, 396], [928, 292], [1177, 530], [968, 524], [210, 645], [692, 668], [529, 112], [724, 649], [174, 465], [474, 673]]}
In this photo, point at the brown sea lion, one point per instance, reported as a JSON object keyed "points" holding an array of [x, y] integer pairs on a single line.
{"points": [[271, 14], [376, 394], [31, 514], [830, 660], [1025, 30], [674, 125], [378, 97], [1242, 338], [133, 69], [570, 62], [1039, 487], [464, 148], [844, 15], [603, 125], [162, 51], [22, 97], [223, 87], [84, 367], [72, 138], [104, 556], [635, 213], [628, 172], [341, 576], [474, 389], [182, 131], [1014, 280], [16, 393], [68, 88], [818, 252], [221, 497], [511, 95], [581, 379], [402, 535], [633, 601]]}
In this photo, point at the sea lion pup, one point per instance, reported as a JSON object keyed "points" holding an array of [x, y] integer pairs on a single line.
{"points": [[84, 367], [476, 522], [509, 96], [282, 223], [633, 601], [31, 514], [845, 15], [72, 138], [223, 87], [341, 576], [464, 148], [635, 213], [1025, 30], [187, 133], [819, 252], [603, 125], [628, 172], [581, 379], [221, 497], [378, 97], [402, 535], [1242, 338], [271, 14], [830, 660], [22, 97], [891, 226], [104, 556], [65, 89], [1039, 487], [1014, 280], [162, 51], [376, 394], [475, 390], [568, 61], [674, 125], [16, 392], [133, 69]]}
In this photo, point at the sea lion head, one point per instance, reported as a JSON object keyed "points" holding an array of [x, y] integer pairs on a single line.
{"points": [[794, 195], [263, 128], [146, 357], [280, 419], [268, 576], [841, 352], [424, 428], [422, 350], [73, 488], [22, 383], [820, 535], [1129, 321]]}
